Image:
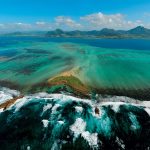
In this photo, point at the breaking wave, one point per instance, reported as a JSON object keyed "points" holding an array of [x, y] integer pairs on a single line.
{"points": [[61, 122]]}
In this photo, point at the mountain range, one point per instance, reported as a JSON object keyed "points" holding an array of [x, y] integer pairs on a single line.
{"points": [[138, 32]]}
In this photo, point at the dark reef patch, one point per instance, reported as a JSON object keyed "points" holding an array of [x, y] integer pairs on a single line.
{"points": [[140, 94], [23, 57], [31, 68], [10, 84]]}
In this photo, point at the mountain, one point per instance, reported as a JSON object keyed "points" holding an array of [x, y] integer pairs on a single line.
{"points": [[57, 33], [109, 32], [77, 33], [138, 32]]}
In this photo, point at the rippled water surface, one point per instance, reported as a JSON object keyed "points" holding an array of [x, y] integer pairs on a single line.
{"points": [[103, 63]]}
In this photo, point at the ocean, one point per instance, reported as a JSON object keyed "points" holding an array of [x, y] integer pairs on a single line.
{"points": [[120, 64], [107, 119]]}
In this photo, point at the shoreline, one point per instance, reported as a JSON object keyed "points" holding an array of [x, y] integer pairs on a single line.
{"points": [[140, 94], [109, 100]]}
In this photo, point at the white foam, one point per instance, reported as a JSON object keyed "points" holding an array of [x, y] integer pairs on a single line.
{"points": [[115, 101], [45, 123], [28, 148], [1, 110], [91, 138], [55, 108], [4, 97], [79, 109], [61, 122], [78, 127], [46, 107], [103, 101], [7, 94], [116, 107], [146, 103], [10, 91], [147, 110], [20, 102]]}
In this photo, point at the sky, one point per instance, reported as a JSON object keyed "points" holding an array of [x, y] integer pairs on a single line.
{"points": [[27, 15]]}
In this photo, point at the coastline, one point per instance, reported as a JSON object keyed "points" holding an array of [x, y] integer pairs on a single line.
{"points": [[87, 92], [101, 99]]}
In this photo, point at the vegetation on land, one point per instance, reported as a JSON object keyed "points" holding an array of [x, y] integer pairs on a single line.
{"points": [[72, 82]]}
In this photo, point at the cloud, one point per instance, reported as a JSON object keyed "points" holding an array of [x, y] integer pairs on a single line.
{"points": [[43, 25], [66, 22], [100, 20], [40, 23], [95, 21], [15, 26], [22, 25]]}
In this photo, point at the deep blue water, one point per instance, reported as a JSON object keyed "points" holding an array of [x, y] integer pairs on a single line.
{"points": [[8, 53], [138, 44]]}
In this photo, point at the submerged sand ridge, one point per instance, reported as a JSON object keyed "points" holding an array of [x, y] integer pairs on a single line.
{"points": [[69, 78], [72, 82], [104, 70]]}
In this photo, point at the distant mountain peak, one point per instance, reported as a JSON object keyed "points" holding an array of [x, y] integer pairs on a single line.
{"points": [[107, 29], [139, 30]]}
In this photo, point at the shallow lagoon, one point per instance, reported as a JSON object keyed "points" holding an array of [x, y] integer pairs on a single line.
{"points": [[27, 61]]}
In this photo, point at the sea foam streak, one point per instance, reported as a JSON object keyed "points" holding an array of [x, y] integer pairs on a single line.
{"points": [[7, 94]]}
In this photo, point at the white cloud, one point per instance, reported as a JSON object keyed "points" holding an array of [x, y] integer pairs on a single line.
{"points": [[66, 22], [43, 25], [95, 21], [19, 26], [100, 20], [22, 25], [40, 23]]}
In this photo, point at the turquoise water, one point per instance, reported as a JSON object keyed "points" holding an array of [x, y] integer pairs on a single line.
{"points": [[27, 62]]}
